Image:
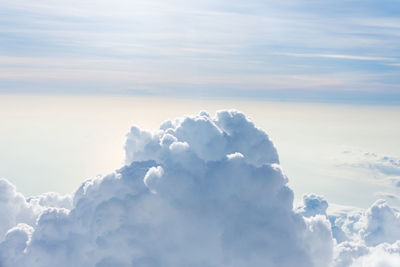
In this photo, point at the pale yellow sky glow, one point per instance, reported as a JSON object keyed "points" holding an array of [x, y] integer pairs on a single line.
{"points": [[52, 143]]}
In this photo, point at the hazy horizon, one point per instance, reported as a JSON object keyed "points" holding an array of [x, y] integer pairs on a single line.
{"points": [[82, 136]]}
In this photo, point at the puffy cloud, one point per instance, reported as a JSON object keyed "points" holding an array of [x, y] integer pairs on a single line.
{"points": [[200, 191], [14, 244], [209, 139], [382, 255], [379, 224], [359, 255], [313, 205], [13, 208], [316, 205], [372, 237], [319, 240], [51, 199], [363, 238], [347, 252]]}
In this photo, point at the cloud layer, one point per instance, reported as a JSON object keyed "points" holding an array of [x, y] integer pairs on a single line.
{"points": [[282, 50], [200, 191]]}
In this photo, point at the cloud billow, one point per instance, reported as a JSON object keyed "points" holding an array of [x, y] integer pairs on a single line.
{"points": [[200, 191]]}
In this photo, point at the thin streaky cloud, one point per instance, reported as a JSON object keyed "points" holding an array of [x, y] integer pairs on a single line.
{"points": [[386, 195], [338, 56], [215, 44]]}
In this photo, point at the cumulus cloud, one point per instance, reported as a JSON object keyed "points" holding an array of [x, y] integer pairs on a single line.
{"points": [[14, 209], [372, 237], [359, 255], [368, 237], [51, 199], [200, 191], [210, 139], [313, 205], [379, 224], [382, 255], [347, 252]]}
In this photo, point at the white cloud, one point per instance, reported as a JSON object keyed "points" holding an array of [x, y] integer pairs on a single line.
{"points": [[51, 199], [379, 224], [387, 165], [191, 43], [208, 138], [363, 238], [152, 178], [387, 195], [14, 209], [383, 168], [313, 205], [382, 255], [200, 191], [339, 56]]}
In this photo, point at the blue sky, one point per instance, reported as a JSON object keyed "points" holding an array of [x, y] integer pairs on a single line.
{"points": [[343, 51]]}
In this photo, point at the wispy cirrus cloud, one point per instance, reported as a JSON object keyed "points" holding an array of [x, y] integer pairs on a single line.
{"points": [[339, 56], [387, 195], [232, 41], [381, 168]]}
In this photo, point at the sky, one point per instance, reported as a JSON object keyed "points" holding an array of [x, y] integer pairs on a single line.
{"points": [[53, 143], [199, 133], [329, 51]]}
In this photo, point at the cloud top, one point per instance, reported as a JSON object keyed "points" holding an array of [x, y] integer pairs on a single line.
{"points": [[200, 191], [209, 139]]}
